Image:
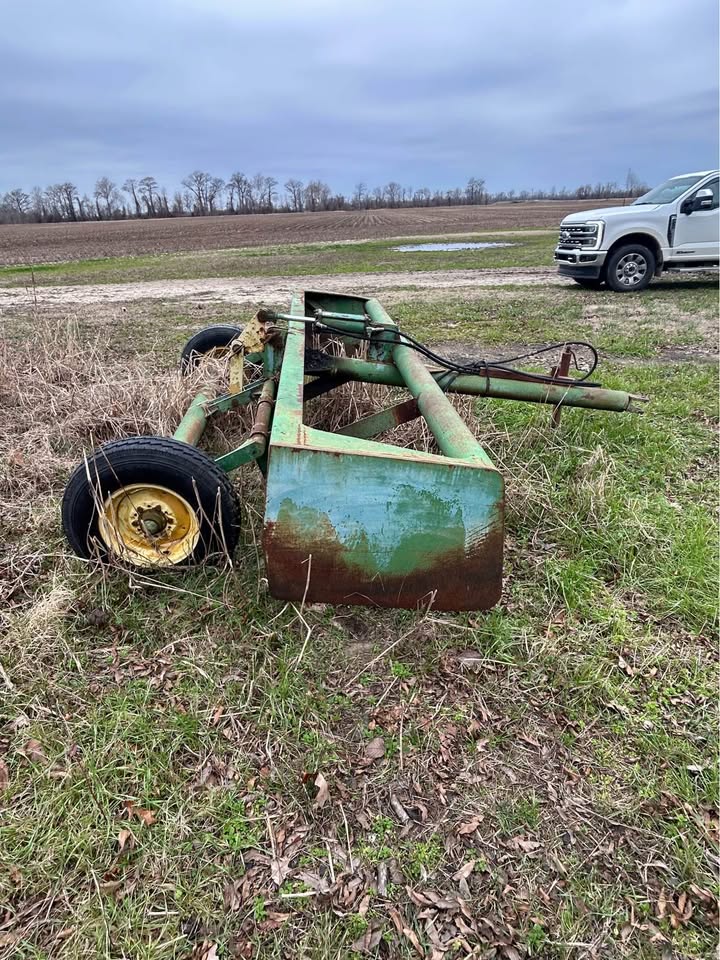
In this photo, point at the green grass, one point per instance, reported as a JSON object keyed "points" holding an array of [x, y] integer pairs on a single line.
{"points": [[670, 314], [367, 256], [587, 733]]}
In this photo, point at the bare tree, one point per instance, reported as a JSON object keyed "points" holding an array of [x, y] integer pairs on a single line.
{"points": [[163, 204], [204, 194], [130, 186], [269, 195], [295, 190], [84, 205], [231, 191], [197, 183], [257, 190], [39, 210], [475, 190], [178, 204], [634, 186], [215, 189], [360, 195], [18, 201], [239, 190], [63, 199], [148, 190], [393, 192], [106, 191], [53, 202], [316, 195]]}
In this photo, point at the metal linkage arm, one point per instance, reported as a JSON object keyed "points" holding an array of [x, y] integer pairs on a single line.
{"points": [[594, 398]]}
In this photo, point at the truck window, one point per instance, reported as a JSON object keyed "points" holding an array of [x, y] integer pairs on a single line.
{"points": [[668, 191]]}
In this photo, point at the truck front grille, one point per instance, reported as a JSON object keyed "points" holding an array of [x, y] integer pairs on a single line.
{"points": [[578, 235]]}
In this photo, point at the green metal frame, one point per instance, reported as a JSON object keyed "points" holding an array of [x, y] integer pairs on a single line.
{"points": [[349, 518]]}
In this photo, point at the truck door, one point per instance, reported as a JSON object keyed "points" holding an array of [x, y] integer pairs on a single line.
{"points": [[697, 230]]}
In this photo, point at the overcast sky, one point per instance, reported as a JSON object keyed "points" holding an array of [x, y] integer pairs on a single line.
{"points": [[427, 92]]}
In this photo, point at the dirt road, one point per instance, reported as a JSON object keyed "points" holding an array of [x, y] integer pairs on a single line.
{"points": [[277, 289]]}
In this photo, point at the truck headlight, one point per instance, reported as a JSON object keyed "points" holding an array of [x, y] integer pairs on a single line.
{"points": [[596, 228]]}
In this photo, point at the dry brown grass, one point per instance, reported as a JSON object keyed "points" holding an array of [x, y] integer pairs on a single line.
{"points": [[61, 393]]}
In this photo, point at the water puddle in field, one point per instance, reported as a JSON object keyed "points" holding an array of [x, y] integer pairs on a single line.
{"points": [[412, 247]]}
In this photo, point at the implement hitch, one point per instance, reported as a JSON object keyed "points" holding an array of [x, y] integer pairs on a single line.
{"points": [[348, 518]]}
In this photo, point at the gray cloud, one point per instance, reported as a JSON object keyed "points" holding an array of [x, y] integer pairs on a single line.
{"points": [[524, 94]]}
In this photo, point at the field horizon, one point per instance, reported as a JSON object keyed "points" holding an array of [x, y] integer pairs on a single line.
{"points": [[30, 243]]}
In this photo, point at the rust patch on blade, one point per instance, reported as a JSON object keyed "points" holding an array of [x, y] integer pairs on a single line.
{"points": [[460, 580]]}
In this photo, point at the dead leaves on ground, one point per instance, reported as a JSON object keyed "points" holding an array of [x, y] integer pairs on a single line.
{"points": [[215, 772], [205, 951], [450, 921], [679, 908], [323, 791], [369, 940], [524, 844], [464, 906], [469, 827], [375, 749], [119, 881], [432, 921], [146, 817], [34, 751], [125, 840]]}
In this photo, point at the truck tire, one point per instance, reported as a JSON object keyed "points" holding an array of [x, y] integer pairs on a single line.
{"points": [[630, 268], [588, 284]]}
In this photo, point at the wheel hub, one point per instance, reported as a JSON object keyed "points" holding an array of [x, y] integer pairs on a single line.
{"points": [[149, 525], [631, 269]]}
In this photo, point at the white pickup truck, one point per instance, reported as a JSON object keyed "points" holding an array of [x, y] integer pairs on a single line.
{"points": [[676, 226]]}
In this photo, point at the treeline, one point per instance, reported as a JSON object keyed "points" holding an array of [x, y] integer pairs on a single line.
{"points": [[203, 194]]}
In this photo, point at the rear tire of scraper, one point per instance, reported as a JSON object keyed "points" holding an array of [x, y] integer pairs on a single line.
{"points": [[210, 340]]}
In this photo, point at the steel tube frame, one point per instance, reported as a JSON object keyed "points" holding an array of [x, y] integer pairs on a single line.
{"points": [[451, 433], [393, 363], [256, 445], [192, 426], [595, 398]]}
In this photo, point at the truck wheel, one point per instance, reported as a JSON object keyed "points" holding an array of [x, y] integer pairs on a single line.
{"points": [[630, 268], [217, 337], [588, 284], [150, 502]]}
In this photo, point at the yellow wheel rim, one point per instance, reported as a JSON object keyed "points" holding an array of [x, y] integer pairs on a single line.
{"points": [[149, 526]]}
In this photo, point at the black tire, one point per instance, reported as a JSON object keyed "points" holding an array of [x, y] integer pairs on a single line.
{"points": [[219, 335], [162, 462], [588, 284], [630, 268]]}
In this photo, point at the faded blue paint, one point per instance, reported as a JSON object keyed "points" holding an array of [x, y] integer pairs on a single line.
{"points": [[376, 504]]}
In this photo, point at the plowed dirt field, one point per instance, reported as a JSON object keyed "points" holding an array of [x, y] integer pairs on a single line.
{"points": [[55, 242]]}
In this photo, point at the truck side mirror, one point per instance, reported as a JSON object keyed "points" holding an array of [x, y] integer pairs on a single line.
{"points": [[687, 206], [703, 199]]}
